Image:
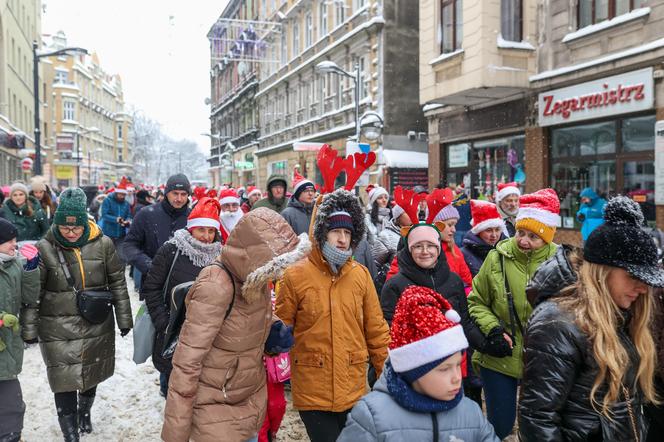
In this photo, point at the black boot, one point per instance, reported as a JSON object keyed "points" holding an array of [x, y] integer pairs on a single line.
{"points": [[84, 406], [69, 427]]}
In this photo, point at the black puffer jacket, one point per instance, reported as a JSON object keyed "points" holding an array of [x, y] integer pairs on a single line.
{"points": [[559, 372], [552, 276], [440, 279]]}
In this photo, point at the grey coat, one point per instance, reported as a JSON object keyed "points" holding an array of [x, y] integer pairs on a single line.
{"points": [[378, 417], [298, 216]]}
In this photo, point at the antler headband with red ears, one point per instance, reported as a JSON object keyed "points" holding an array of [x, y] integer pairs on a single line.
{"points": [[409, 201], [437, 200], [331, 165]]}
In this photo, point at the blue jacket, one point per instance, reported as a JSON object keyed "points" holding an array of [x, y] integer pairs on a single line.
{"points": [[475, 251], [591, 214], [378, 417], [111, 209]]}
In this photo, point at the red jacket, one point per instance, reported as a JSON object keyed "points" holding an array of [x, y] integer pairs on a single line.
{"points": [[457, 265]]}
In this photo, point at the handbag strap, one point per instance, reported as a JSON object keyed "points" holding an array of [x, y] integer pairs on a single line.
{"points": [[514, 316], [168, 277], [65, 269], [230, 306], [630, 410]]}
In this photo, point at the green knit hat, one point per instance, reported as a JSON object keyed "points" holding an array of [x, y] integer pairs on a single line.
{"points": [[71, 209]]}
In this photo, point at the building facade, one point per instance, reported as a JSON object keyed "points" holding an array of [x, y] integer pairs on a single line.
{"points": [[86, 129], [20, 25], [564, 95]]}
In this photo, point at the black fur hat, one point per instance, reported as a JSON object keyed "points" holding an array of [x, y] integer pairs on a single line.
{"points": [[339, 200]]}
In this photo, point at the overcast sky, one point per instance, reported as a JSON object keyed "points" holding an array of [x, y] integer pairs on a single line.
{"points": [[159, 48]]}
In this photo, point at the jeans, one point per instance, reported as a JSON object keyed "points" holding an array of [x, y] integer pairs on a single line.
{"points": [[163, 383], [324, 426], [500, 398], [137, 275]]}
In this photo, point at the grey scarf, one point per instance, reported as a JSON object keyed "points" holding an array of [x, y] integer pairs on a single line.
{"points": [[199, 253], [6, 258], [335, 258]]}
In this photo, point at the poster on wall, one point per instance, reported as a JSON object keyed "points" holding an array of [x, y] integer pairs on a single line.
{"points": [[659, 162]]}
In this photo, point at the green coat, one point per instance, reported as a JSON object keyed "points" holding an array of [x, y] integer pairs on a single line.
{"points": [[267, 202], [17, 287], [487, 303], [79, 355], [30, 228]]}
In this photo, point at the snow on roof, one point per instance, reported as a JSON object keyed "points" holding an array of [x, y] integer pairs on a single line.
{"points": [[432, 106], [591, 29], [609, 58], [506, 44], [405, 159]]}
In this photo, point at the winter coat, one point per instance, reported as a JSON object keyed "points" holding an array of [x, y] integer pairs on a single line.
{"points": [[338, 328], [298, 216], [362, 254], [440, 279], [111, 209], [378, 417], [184, 270], [488, 300], [79, 355], [552, 276], [384, 249], [30, 228], [462, 204], [150, 229], [18, 288], [590, 214], [217, 386], [374, 229], [475, 250], [559, 372], [458, 264], [268, 201]]}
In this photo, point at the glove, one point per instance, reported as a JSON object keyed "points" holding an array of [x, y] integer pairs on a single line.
{"points": [[31, 254], [496, 345], [9, 321], [124, 332], [280, 339]]}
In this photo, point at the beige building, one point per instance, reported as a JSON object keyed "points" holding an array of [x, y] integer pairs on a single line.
{"points": [[20, 25], [86, 129]]}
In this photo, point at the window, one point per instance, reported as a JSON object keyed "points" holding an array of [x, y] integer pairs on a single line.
{"points": [[61, 76], [452, 25], [296, 40], [359, 4], [511, 20], [595, 11], [68, 108], [120, 131], [322, 19], [284, 49], [309, 30], [339, 13], [277, 168]]}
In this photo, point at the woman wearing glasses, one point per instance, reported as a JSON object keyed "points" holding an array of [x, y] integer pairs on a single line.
{"points": [[82, 279]]}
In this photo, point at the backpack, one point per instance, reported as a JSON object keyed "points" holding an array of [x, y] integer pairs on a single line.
{"points": [[179, 311]]}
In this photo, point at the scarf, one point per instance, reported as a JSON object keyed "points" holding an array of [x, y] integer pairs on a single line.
{"points": [[230, 219], [172, 211], [335, 258], [411, 400], [6, 258], [198, 252], [80, 242]]}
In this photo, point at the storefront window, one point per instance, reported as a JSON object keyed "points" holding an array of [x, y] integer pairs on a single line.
{"points": [[638, 134], [639, 184], [587, 139]]}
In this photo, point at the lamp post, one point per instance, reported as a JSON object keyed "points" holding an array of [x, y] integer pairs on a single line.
{"points": [[36, 56], [330, 67], [78, 152]]}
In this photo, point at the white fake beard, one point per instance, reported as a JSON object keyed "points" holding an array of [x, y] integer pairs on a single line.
{"points": [[230, 219]]}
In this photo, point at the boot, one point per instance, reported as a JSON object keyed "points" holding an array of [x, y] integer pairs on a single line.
{"points": [[11, 437], [84, 419], [69, 427]]}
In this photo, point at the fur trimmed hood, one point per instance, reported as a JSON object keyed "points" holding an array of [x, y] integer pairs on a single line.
{"points": [[333, 202]]}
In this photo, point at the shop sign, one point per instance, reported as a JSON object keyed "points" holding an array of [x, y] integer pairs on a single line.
{"points": [[659, 162], [64, 142], [457, 155], [409, 178], [620, 94], [64, 172]]}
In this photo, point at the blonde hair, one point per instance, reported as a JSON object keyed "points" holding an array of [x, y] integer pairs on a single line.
{"points": [[596, 314]]}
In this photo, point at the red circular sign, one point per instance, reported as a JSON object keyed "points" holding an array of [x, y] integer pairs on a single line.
{"points": [[26, 163]]}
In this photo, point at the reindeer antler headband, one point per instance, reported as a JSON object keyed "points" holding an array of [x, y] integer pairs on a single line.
{"points": [[331, 165]]}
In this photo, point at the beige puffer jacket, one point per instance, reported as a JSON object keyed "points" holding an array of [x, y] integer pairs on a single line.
{"points": [[217, 387]]}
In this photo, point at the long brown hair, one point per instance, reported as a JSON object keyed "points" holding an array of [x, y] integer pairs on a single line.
{"points": [[46, 202], [28, 207], [590, 303]]}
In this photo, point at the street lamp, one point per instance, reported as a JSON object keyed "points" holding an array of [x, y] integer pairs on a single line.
{"points": [[36, 56], [78, 152], [371, 125], [330, 67]]}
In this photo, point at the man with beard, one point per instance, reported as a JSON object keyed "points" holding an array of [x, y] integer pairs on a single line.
{"points": [[116, 214], [276, 194], [155, 224], [507, 200], [230, 212], [301, 204]]}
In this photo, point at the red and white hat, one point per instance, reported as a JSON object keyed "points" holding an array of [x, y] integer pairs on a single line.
{"points": [[122, 187], [253, 190], [485, 216], [300, 183], [539, 212], [229, 196], [425, 331], [205, 214], [505, 189], [374, 192]]}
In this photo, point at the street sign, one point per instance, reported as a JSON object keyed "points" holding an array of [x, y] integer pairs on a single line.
{"points": [[307, 147], [26, 163]]}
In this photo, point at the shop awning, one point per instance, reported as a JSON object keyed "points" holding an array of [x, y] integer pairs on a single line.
{"points": [[404, 159]]}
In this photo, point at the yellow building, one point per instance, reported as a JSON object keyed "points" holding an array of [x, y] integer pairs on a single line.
{"points": [[85, 122], [20, 25]]}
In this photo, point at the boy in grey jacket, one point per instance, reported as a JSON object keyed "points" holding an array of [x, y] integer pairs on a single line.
{"points": [[419, 396]]}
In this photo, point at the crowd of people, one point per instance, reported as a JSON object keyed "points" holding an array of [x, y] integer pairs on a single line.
{"points": [[389, 316]]}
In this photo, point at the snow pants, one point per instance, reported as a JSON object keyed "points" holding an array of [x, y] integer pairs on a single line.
{"points": [[276, 408], [12, 410]]}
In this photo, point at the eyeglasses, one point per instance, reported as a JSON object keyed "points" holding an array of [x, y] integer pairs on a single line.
{"points": [[75, 230], [419, 248]]}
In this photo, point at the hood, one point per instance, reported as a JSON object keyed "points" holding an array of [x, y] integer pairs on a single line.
{"points": [[276, 177], [259, 249], [553, 275], [381, 383], [408, 268], [588, 192], [477, 244], [332, 202], [510, 250]]}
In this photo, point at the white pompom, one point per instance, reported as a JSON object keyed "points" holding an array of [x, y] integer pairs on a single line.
{"points": [[453, 316]]}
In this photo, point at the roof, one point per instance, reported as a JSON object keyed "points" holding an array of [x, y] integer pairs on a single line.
{"points": [[404, 159]]}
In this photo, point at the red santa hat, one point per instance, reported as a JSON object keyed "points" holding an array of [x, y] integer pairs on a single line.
{"points": [[199, 192], [485, 216], [426, 330], [539, 212], [205, 214], [253, 190], [374, 192], [505, 189], [122, 187], [212, 193], [229, 196]]}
